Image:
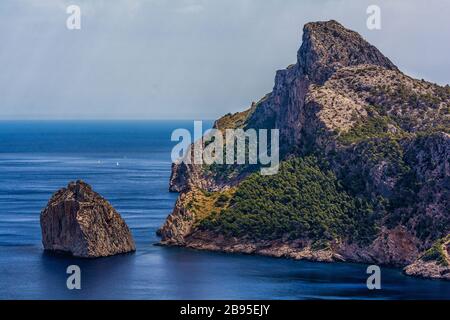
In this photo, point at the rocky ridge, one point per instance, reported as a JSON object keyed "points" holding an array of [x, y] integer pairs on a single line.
{"points": [[382, 134]]}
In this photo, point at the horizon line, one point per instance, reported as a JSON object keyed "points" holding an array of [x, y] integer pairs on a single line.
{"points": [[109, 120]]}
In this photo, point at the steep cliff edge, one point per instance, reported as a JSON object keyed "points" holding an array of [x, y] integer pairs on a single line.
{"points": [[377, 139], [77, 220]]}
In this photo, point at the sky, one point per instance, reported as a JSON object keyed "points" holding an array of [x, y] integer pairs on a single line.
{"points": [[186, 59]]}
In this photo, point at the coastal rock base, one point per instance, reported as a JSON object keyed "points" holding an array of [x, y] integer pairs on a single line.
{"points": [[335, 252], [429, 269]]}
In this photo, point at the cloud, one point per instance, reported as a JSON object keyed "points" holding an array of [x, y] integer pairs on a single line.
{"points": [[191, 6], [185, 58]]}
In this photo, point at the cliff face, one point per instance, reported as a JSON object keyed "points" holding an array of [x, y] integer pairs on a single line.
{"points": [[326, 48], [77, 220], [381, 136]]}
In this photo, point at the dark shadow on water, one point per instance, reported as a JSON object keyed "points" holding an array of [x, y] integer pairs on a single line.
{"points": [[102, 278], [64, 255], [259, 277]]}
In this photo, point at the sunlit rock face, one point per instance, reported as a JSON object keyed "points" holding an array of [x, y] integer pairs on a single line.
{"points": [[383, 134], [79, 221]]}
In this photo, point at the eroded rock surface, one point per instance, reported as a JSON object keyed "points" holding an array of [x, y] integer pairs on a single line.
{"points": [[384, 134], [79, 221]]}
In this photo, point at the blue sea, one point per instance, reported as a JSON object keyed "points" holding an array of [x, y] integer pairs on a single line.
{"points": [[129, 164]]}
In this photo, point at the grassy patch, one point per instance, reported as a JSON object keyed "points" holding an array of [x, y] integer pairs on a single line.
{"points": [[377, 125], [437, 252], [204, 203]]}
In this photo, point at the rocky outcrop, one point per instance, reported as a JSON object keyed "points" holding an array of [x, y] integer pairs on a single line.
{"points": [[382, 133], [429, 270], [292, 105], [328, 47], [392, 247], [434, 263], [77, 220], [295, 249], [178, 224]]}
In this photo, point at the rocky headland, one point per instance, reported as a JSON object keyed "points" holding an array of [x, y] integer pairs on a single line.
{"points": [[365, 175]]}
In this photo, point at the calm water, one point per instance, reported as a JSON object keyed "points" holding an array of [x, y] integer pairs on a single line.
{"points": [[129, 164]]}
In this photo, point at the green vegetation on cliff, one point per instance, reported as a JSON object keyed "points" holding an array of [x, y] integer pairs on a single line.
{"points": [[383, 144], [373, 127], [301, 201], [437, 252]]}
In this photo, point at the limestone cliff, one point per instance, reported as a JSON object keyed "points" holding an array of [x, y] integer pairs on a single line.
{"points": [[378, 139], [77, 220]]}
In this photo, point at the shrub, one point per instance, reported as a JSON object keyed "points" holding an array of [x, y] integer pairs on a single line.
{"points": [[302, 201]]}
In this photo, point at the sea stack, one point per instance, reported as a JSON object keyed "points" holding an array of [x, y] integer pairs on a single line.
{"points": [[77, 220]]}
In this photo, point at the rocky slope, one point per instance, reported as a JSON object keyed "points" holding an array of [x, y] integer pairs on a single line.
{"points": [[377, 138], [434, 263], [77, 220]]}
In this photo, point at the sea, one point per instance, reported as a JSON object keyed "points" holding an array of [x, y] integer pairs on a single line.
{"points": [[129, 163]]}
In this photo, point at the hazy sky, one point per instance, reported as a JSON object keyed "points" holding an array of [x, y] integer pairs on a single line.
{"points": [[176, 59]]}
